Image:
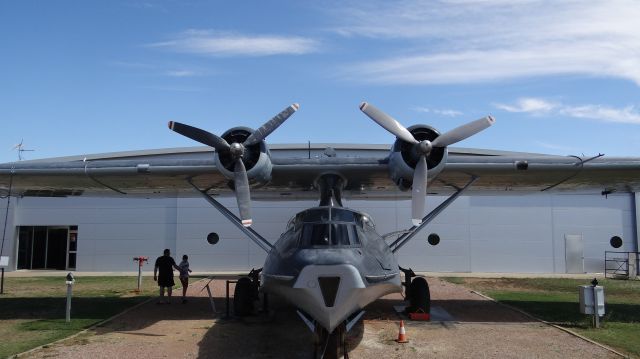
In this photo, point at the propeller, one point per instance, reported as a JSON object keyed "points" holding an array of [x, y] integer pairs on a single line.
{"points": [[424, 148], [236, 150]]}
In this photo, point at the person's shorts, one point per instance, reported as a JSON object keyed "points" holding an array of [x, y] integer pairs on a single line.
{"points": [[166, 282]]}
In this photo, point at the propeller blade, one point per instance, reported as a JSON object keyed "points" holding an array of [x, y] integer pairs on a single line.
{"points": [[460, 133], [389, 123], [264, 130], [202, 136], [243, 196], [419, 191]]}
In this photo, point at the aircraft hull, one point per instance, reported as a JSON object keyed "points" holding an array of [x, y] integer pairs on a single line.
{"points": [[353, 292]]}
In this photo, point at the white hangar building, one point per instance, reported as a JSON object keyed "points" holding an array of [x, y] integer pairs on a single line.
{"points": [[543, 232]]}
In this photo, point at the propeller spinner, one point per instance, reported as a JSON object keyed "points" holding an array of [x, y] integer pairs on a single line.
{"points": [[236, 150], [424, 148]]}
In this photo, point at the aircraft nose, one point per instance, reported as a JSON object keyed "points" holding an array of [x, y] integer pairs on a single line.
{"points": [[331, 292]]}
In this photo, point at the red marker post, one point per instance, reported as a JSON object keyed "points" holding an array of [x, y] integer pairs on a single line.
{"points": [[140, 261]]}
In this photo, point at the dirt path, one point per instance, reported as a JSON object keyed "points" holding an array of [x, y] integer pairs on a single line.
{"points": [[482, 329]]}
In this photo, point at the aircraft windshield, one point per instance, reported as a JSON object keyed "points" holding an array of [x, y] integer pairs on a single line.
{"points": [[329, 227], [329, 234]]}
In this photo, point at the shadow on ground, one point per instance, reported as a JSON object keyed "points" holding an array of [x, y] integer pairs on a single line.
{"points": [[479, 310], [55, 307], [280, 334], [568, 313]]}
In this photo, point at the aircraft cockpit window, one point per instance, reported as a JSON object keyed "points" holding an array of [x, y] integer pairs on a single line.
{"points": [[315, 235], [333, 234], [316, 215], [341, 215], [344, 235]]}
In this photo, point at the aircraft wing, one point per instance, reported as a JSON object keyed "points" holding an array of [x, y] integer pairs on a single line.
{"points": [[295, 168]]}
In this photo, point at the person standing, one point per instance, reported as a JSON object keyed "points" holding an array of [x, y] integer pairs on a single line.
{"points": [[163, 274], [184, 276]]}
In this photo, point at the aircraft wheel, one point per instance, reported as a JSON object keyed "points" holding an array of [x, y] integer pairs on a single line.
{"points": [[243, 297], [419, 297], [331, 346]]}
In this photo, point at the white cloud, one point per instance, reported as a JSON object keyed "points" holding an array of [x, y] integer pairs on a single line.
{"points": [[465, 41], [536, 106], [182, 73], [214, 43], [528, 104], [441, 112], [627, 114]]}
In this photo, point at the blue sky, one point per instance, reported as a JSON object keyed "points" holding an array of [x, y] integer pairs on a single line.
{"points": [[80, 77]]}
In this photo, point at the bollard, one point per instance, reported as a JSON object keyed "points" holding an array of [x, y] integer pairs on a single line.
{"points": [[4, 262], [70, 281], [596, 315], [140, 261]]}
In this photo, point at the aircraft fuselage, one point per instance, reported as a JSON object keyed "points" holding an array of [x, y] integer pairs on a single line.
{"points": [[330, 263]]}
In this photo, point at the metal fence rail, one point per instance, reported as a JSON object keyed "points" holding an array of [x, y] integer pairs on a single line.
{"points": [[616, 264]]}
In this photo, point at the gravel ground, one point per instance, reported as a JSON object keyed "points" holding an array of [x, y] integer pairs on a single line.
{"points": [[482, 329]]}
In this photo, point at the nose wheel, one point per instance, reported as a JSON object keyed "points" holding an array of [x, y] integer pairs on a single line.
{"points": [[330, 345]]}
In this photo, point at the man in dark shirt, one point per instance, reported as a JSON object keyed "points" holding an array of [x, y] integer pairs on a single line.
{"points": [[163, 273]]}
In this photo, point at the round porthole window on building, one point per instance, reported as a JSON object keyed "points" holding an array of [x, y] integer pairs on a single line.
{"points": [[213, 238], [616, 242]]}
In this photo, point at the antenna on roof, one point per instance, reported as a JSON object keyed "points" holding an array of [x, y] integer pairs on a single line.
{"points": [[20, 148]]}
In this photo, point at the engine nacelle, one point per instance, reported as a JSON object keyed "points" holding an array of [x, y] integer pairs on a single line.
{"points": [[256, 158], [404, 157]]}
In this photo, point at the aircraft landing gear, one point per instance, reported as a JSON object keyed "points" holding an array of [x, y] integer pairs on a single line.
{"points": [[419, 296], [417, 292], [246, 293], [243, 298], [330, 345]]}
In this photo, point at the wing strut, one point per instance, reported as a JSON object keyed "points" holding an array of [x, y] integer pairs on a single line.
{"points": [[403, 239], [253, 235]]}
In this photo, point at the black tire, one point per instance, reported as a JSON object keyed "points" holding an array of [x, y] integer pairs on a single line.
{"points": [[243, 297], [419, 296], [333, 343]]}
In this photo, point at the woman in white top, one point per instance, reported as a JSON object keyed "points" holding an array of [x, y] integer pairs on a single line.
{"points": [[184, 276]]}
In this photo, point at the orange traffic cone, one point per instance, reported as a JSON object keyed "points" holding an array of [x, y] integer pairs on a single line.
{"points": [[402, 335]]}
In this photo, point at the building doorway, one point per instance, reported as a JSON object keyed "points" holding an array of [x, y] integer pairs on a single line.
{"points": [[574, 253], [42, 247]]}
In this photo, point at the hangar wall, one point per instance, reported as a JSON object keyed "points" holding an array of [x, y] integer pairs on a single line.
{"points": [[523, 233], [111, 231], [8, 232]]}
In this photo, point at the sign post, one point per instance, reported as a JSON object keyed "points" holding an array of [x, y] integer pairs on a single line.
{"points": [[140, 261], [4, 262], [70, 281], [591, 298]]}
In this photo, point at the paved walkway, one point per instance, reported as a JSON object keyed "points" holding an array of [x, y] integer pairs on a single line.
{"points": [[480, 329]]}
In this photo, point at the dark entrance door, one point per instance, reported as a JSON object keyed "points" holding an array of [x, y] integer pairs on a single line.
{"points": [[39, 254], [57, 248], [25, 242], [42, 247]]}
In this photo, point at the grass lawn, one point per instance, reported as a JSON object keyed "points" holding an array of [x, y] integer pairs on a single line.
{"points": [[32, 310], [556, 300]]}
